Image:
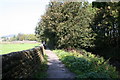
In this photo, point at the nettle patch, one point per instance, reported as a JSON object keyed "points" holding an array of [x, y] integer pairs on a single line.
{"points": [[87, 65]]}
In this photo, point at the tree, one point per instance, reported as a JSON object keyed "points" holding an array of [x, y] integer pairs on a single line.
{"points": [[21, 37], [30, 37], [66, 24], [106, 24], [14, 38]]}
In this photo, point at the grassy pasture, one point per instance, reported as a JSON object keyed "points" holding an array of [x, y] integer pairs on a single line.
{"points": [[13, 47]]}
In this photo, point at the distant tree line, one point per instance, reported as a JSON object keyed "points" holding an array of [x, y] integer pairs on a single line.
{"points": [[20, 37]]}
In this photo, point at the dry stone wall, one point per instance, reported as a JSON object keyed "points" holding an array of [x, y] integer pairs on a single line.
{"points": [[22, 64]]}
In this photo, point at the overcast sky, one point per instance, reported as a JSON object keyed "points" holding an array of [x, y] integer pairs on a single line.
{"points": [[20, 16]]}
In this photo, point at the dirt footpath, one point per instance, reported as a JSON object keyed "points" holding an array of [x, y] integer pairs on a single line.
{"points": [[56, 69]]}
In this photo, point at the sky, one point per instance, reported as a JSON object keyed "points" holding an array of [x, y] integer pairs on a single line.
{"points": [[21, 16]]}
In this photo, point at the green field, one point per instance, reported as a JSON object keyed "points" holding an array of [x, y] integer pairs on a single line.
{"points": [[10, 47]]}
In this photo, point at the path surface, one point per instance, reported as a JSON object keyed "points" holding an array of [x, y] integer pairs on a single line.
{"points": [[56, 69]]}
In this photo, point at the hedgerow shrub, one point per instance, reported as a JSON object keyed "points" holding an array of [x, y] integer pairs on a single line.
{"points": [[87, 65]]}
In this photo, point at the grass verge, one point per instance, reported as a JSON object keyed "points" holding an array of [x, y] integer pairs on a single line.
{"points": [[42, 70], [87, 65]]}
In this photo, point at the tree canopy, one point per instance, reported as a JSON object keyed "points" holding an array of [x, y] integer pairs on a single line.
{"points": [[107, 24], [66, 24]]}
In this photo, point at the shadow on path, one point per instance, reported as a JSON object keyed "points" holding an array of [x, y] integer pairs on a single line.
{"points": [[56, 68]]}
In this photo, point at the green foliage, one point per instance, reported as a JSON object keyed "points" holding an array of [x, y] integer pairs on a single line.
{"points": [[94, 75], [21, 37], [67, 25], [42, 70], [106, 24], [87, 65], [81, 64]]}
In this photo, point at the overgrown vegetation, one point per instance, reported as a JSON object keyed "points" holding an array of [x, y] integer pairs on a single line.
{"points": [[42, 70], [87, 65]]}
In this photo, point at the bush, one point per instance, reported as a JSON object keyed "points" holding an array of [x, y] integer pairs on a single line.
{"points": [[81, 64]]}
